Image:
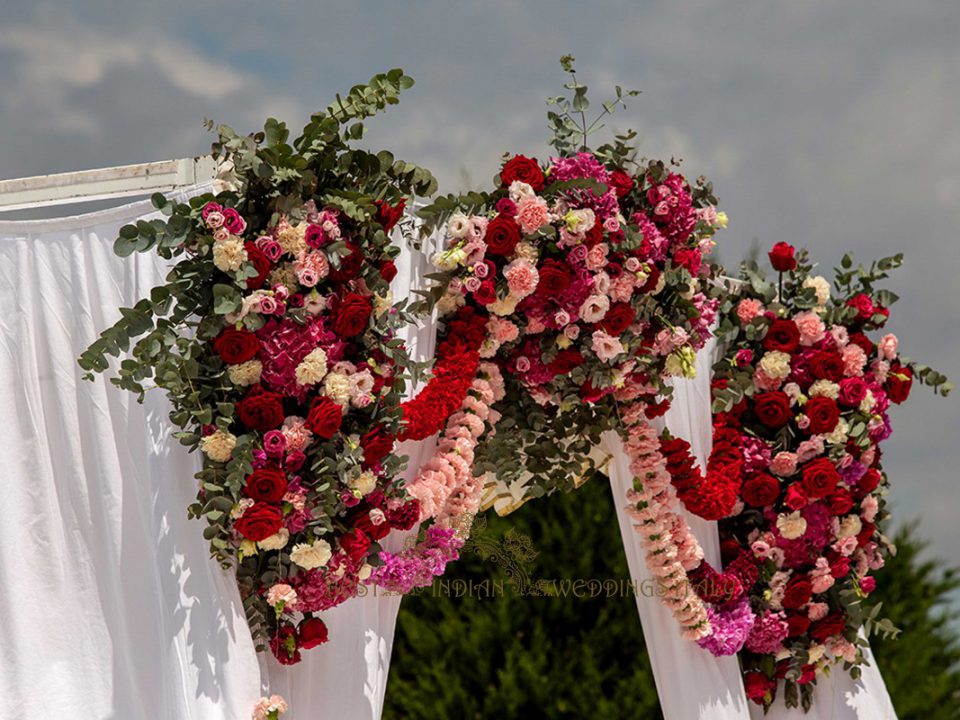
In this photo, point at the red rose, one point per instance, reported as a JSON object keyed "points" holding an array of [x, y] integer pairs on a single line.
{"points": [[619, 317], [266, 484], [502, 236], [898, 384], [388, 215], [797, 593], [783, 336], [823, 413], [866, 533], [621, 183], [796, 498], [827, 365], [852, 391], [761, 490], [841, 502], [404, 516], [284, 645], [350, 265], [594, 235], [781, 257], [862, 303], [324, 418], [689, 258], [554, 278], [820, 478], [363, 522], [260, 409], [759, 687], [869, 482], [832, 624], [388, 270], [376, 444], [352, 314], [311, 632], [840, 567], [565, 361], [486, 293], [652, 281], [260, 263], [236, 346], [525, 170], [863, 342], [259, 521], [355, 544], [772, 408], [797, 625]]}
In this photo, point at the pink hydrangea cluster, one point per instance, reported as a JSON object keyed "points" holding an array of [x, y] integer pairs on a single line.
{"points": [[417, 566]]}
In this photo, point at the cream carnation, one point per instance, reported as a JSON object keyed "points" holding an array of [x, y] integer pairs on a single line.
{"points": [[276, 541], [292, 240], [825, 388], [363, 483], [229, 255], [245, 373], [219, 445], [775, 364], [312, 368], [820, 286], [336, 386], [792, 525], [311, 556]]}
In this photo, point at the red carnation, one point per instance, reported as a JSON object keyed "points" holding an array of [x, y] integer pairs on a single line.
{"points": [[284, 645], [759, 687], [565, 361], [621, 183], [260, 409], [554, 278], [376, 444], [355, 544], [404, 517], [761, 490], [781, 257], [266, 484], [324, 418], [619, 317], [823, 414], [502, 236], [260, 263], [525, 170], [259, 521], [783, 336], [388, 215], [827, 365], [236, 346], [797, 593], [351, 315], [772, 408], [797, 624], [899, 382], [820, 478], [311, 632], [833, 624]]}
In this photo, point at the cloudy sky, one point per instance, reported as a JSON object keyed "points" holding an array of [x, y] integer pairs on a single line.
{"points": [[830, 125]]}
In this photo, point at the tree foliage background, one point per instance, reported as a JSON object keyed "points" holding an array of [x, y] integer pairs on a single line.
{"points": [[566, 657]]}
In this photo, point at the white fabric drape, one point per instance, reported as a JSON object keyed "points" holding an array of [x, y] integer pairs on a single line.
{"points": [[110, 607]]}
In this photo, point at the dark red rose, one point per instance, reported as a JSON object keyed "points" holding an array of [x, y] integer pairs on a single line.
{"points": [[565, 361], [554, 278], [862, 303], [761, 490], [652, 280], [389, 215], [619, 317], [796, 498], [311, 632], [388, 270], [840, 567], [284, 645], [823, 413], [772, 408], [525, 170], [260, 263], [863, 342], [486, 293], [324, 418], [820, 478], [827, 365], [236, 346], [352, 314], [759, 687], [502, 236], [833, 624], [260, 409], [376, 444], [621, 183], [259, 521], [797, 593], [355, 544], [870, 480], [898, 384], [783, 336], [781, 257], [841, 502], [594, 235], [350, 265], [852, 391], [364, 523], [404, 517], [866, 533], [266, 484], [797, 624]]}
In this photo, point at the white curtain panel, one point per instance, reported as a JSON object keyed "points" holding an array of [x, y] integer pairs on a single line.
{"points": [[110, 607]]}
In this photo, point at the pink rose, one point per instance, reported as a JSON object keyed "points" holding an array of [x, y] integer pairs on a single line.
{"points": [[523, 364], [743, 357]]}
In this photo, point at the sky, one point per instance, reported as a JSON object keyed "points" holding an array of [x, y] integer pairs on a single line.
{"points": [[834, 126]]}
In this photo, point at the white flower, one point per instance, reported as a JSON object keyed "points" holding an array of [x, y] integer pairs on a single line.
{"points": [[364, 572], [276, 541], [311, 556], [825, 388], [850, 527], [503, 306], [336, 386], [219, 445], [839, 434], [245, 373], [820, 286], [594, 308], [775, 364], [866, 405], [792, 525], [520, 190], [382, 304], [449, 303], [312, 368], [229, 255], [363, 483], [292, 240], [240, 508], [458, 226]]}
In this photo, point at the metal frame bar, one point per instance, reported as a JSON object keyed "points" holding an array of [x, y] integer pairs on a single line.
{"points": [[105, 183]]}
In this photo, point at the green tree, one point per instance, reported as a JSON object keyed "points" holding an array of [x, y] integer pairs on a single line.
{"points": [[562, 657]]}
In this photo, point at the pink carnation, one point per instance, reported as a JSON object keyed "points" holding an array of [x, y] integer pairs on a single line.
{"points": [[532, 214], [522, 278], [748, 309], [811, 328]]}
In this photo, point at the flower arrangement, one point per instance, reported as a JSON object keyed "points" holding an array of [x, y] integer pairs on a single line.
{"points": [[275, 338], [801, 401]]}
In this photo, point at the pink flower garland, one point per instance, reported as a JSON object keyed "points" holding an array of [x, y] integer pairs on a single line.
{"points": [[670, 547]]}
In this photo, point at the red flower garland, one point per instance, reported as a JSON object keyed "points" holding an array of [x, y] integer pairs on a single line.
{"points": [[711, 497]]}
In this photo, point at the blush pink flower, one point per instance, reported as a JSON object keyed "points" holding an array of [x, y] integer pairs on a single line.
{"points": [[748, 309], [311, 267], [887, 347], [532, 214], [853, 360], [811, 328], [606, 346], [502, 330], [594, 308], [522, 278], [784, 464]]}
